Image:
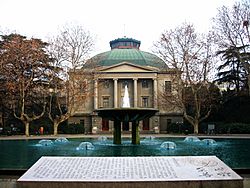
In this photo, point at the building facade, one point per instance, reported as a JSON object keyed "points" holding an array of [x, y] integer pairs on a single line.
{"points": [[146, 77]]}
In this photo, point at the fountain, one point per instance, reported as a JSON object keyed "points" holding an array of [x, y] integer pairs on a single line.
{"points": [[124, 115], [17, 154], [168, 145], [45, 142], [191, 139], [125, 100], [102, 138], [209, 142], [149, 138], [85, 146], [61, 140]]}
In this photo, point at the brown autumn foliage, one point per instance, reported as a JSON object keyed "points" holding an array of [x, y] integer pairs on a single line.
{"points": [[191, 55], [69, 51], [24, 65]]}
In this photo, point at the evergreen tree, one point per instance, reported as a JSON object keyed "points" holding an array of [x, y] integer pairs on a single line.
{"points": [[232, 71]]}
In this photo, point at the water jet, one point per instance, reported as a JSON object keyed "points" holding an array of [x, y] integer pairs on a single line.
{"points": [[124, 115]]}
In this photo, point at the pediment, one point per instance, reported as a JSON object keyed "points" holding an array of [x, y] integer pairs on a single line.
{"points": [[127, 67]]}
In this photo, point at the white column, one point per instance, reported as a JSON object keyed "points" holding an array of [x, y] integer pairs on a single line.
{"points": [[115, 93], [155, 93], [135, 92], [96, 94]]}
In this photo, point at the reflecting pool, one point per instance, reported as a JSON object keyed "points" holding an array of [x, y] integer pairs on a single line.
{"points": [[22, 154]]}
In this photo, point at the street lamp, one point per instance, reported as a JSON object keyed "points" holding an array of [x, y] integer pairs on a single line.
{"points": [[246, 24], [51, 90]]}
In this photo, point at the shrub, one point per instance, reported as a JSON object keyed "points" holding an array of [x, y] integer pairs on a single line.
{"points": [[232, 128], [179, 128], [73, 128]]}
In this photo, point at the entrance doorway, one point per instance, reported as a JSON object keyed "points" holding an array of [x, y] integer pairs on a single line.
{"points": [[105, 124], [82, 126], [125, 126], [145, 124]]}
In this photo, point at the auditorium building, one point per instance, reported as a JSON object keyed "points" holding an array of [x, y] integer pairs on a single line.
{"points": [[146, 77]]}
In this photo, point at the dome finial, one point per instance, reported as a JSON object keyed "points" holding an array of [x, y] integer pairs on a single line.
{"points": [[125, 43], [124, 29]]}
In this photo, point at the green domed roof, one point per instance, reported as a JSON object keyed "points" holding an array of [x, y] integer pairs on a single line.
{"points": [[134, 56], [127, 50]]}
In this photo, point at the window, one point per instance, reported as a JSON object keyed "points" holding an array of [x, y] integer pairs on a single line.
{"points": [[168, 86], [145, 102], [105, 102], [105, 124], [144, 83], [106, 84], [169, 121], [124, 83]]}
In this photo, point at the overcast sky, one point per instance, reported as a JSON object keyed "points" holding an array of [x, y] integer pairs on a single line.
{"points": [[106, 20]]}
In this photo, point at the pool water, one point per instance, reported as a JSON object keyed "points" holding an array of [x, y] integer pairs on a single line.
{"points": [[22, 154]]}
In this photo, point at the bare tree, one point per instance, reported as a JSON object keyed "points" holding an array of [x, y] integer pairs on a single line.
{"points": [[231, 26], [70, 50], [25, 63], [190, 54]]}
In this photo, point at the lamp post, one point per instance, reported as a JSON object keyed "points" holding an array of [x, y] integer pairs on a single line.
{"points": [[51, 90], [246, 25]]}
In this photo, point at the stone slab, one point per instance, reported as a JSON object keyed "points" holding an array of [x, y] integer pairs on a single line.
{"points": [[183, 171]]}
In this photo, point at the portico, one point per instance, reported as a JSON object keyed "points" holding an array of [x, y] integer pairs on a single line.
{"points": [[142, 91]]}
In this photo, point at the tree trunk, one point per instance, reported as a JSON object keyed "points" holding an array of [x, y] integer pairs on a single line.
{"points": [[196, 127], [27, 127], [1, 119], [194, 122], [56, 128], [248, 83]]}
